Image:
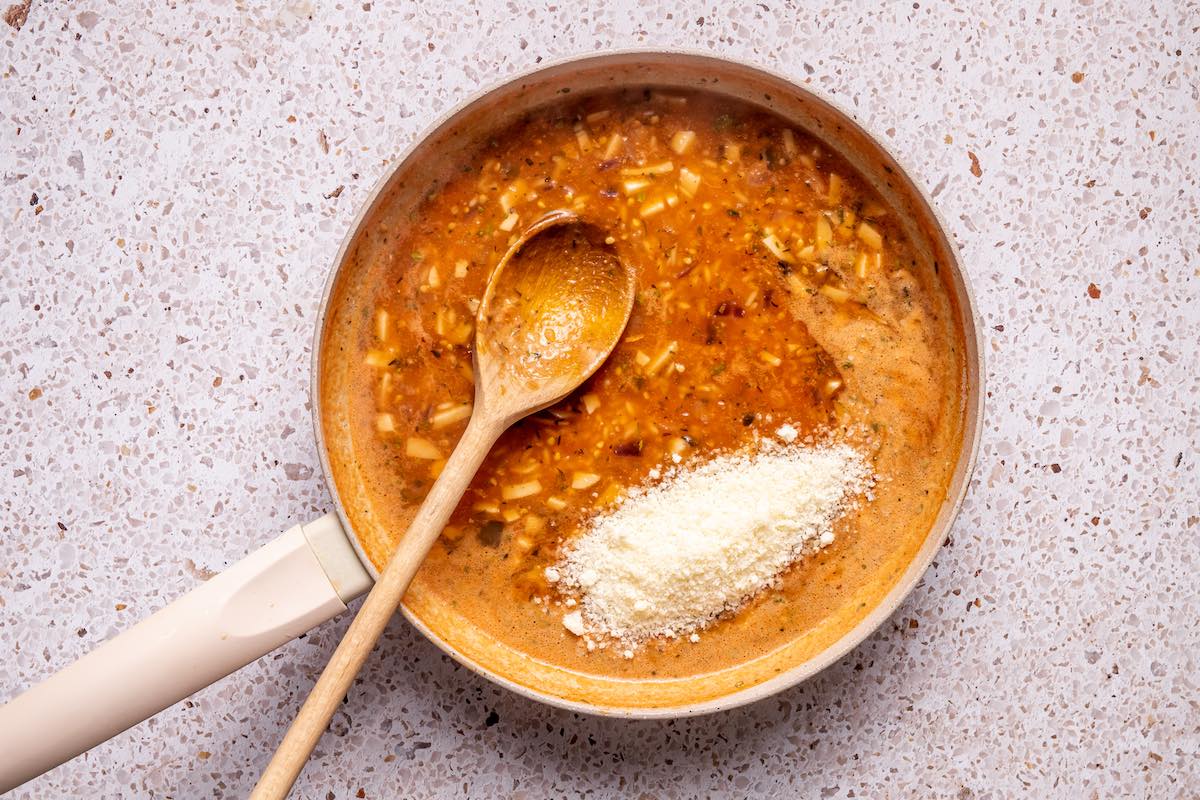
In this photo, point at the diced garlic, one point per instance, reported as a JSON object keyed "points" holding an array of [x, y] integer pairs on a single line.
{"points": [[773, 360], [591, 402], [509, 222], [385, 423]]}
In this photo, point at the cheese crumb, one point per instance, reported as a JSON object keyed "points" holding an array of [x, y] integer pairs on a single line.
{"points": [[552, 575], [787, 433], [574, 623], [676, 555]]}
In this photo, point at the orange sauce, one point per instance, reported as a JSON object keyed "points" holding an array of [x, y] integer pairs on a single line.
{"points": [[773, 286]]}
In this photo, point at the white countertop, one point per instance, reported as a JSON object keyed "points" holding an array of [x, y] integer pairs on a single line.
{"points": [[170, 213]]}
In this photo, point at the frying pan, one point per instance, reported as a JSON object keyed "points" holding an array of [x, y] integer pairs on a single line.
{"points": [[309, 573]]}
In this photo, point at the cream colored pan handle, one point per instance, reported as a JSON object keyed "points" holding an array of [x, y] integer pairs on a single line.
{"points": [[273, 595]]}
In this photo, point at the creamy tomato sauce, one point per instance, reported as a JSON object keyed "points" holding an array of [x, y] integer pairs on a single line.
{"points": [[773, 286]]}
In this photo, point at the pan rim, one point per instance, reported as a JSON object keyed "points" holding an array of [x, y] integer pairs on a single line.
{"points": [[973, 409]]}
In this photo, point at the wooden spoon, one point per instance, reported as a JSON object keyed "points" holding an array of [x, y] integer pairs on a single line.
{"points": [[553, 310]]}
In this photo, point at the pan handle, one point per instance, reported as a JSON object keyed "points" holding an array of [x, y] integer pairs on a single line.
{"points": [[273, 595]]}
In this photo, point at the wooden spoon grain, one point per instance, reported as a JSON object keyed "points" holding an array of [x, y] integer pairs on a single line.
{"points": [[554, 308]]}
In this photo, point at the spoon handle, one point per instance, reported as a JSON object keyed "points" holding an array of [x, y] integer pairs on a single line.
{"points": [[378, 609]]}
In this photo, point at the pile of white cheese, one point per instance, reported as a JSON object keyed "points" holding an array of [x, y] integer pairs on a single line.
{"points": [[672, 557]]}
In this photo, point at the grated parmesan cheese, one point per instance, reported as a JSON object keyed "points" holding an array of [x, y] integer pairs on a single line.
{"points": [[674, 556]]}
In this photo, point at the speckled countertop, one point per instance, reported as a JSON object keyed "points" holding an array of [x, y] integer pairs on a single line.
{"points": [[174, 183]]}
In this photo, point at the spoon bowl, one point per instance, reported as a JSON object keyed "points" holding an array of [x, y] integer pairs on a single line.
{"points": [[553, 310]]}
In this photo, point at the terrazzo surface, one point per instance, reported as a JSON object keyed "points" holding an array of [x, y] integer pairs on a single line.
{"points": [[175, 181]]}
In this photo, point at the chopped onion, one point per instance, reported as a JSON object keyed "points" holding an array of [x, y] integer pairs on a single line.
{"points": [[682, 141], [835, 188], [421, 448], [584, 480], [870, 237], [834, 293], [581, 136], [824, 233], [662, 358], [378, 358], [661, 168], [385, 423], [614, 144], [689, 182], [516, 491], [449, 416], [789, 142], [383, 322], [635, 186], [777, 248], [651, 208]]}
